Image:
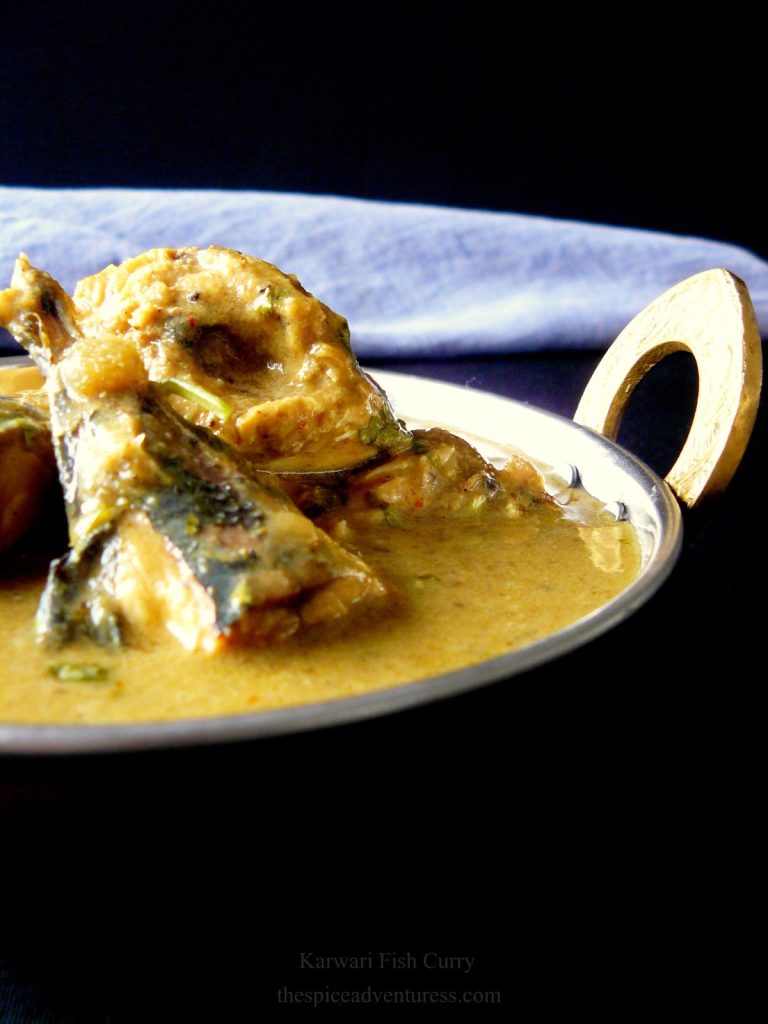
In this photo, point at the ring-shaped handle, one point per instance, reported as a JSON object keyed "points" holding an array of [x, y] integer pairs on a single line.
{"points": [[711, 316]]}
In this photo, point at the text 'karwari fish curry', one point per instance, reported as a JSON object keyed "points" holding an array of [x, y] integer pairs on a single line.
{"points": [[248, 523]]}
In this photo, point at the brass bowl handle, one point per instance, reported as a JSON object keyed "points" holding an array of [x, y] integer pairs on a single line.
{"points": [[711, 316]]}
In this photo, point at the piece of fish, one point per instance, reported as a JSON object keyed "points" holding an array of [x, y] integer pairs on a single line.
{"points": [[245, 350], [170, 528], [27, 472], [438, 473]]}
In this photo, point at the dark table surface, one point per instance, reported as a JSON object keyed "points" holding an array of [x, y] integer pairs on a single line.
{"points": [[611, 786]]}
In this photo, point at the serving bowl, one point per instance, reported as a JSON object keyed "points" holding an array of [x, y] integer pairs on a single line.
{"points": [[709, 315]]}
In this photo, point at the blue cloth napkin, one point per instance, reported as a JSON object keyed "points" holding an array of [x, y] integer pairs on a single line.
{"points": [[413, 280]]}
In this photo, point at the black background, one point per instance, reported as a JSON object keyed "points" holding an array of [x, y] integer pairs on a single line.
{"points": [[590, 823], [634, 115]]}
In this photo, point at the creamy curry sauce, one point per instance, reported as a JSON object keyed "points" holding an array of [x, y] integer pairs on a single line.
{"points": [[460, 591], [164, 376]]}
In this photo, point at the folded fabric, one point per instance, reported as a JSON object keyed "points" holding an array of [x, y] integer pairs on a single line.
{"points": [[413, 280]]}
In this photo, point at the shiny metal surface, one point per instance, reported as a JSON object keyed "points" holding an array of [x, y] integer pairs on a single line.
{"points": [[606, 471]]}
